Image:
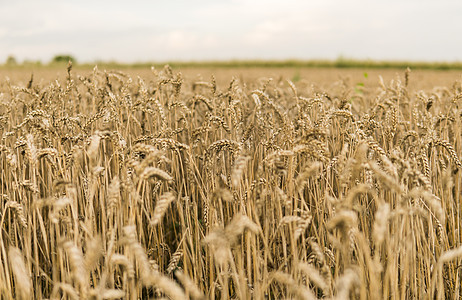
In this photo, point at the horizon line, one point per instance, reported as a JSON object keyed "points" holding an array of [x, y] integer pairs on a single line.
{"points": [[341, 62]]}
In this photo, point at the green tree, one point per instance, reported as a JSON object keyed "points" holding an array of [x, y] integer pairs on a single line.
{"points": [[11, 60], [63, 58]]}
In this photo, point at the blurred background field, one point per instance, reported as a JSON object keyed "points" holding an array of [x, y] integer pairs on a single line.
{"points": [[311, 75]]}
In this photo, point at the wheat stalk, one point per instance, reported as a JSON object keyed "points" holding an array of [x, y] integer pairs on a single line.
{"points": [[21, 274], [161, 207]]}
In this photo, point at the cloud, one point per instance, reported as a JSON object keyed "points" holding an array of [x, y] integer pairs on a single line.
{"points": [[180, 44]]}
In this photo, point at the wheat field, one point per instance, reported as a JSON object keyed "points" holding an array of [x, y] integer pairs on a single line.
{"points": [[115, 186]]}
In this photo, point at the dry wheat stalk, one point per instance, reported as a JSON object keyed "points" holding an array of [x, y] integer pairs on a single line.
{"points": [[381, 223], [77, 262], [238, 169], [313, 275], [161, 207], [67, 289], [450, 149], [299, 291], [345, 283], [118, 259], [107, 293], [190, 287], [153, 172], [21, 274], [18, 212]]}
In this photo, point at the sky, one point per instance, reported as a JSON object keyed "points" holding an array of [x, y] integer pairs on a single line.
{"points": [[180, 30]]}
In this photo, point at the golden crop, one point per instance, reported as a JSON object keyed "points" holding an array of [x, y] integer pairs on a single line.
{"points": [[115, 187]]}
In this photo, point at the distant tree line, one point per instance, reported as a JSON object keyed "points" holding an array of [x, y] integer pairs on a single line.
{"points": [[57, 59]]}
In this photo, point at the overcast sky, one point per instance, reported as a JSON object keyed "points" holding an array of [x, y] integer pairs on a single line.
{"points": [[142, 30]]}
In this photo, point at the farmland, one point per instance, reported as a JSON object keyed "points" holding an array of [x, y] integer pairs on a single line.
{"points": [[200, 183]]}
